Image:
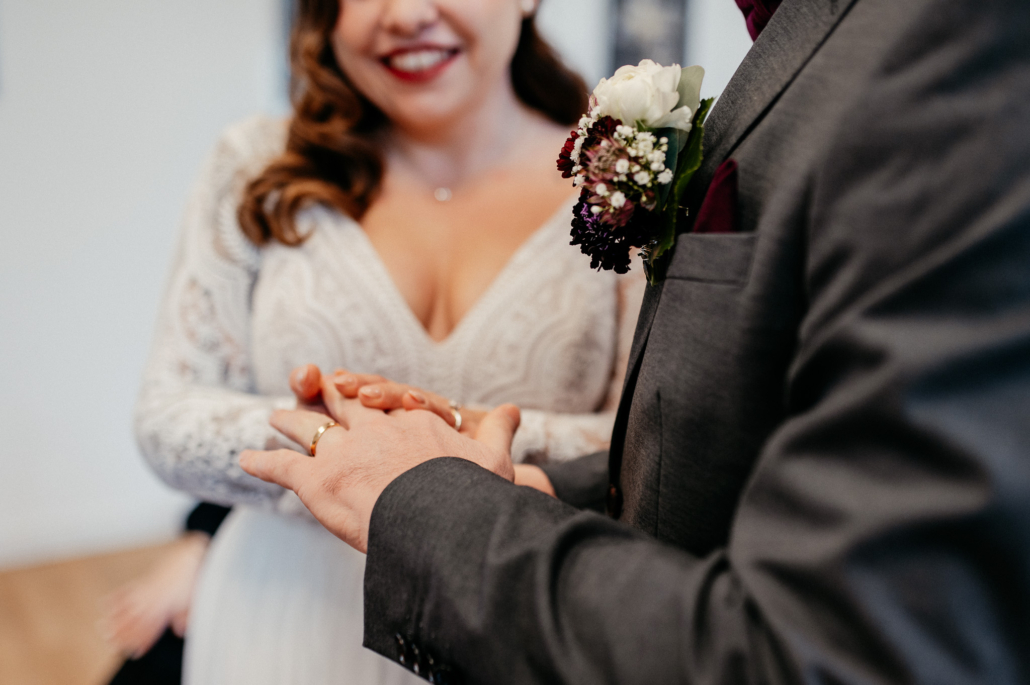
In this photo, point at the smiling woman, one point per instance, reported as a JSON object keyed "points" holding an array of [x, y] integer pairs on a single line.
{"points": [[407, 221], [344, 77]]}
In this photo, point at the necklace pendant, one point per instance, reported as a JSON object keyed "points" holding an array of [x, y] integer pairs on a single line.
{"points": [[442, 194]]}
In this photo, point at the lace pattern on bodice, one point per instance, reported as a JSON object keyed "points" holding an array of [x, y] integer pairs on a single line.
{"points": [[549, 334]]}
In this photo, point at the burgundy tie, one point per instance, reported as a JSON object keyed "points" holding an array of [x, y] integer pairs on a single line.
{"points": [[757, 14]]}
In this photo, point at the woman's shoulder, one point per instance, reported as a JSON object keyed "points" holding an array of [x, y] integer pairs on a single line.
{"points": [[248, 145], [242, 152]]}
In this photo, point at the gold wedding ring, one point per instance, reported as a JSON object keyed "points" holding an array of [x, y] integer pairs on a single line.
{"points": [[456, 413], [318, 435]]}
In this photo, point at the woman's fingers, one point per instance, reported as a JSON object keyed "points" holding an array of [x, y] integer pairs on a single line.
{"points": [[306, 383], [375, 392], [385, 395], [429, 401], [350, 383], [388, 395], [133, 624], [180, 621]]}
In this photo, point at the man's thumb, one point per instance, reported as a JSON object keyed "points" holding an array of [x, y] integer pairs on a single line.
{"points": [[497, 428]]}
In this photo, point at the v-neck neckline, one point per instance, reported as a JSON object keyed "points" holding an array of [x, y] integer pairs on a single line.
{"points": [[482, 302]]}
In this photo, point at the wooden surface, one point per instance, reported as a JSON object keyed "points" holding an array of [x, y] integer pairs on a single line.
{"points": [[49, 616]]}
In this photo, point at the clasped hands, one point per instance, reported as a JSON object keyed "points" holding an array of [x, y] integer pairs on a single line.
{"points": [[385, 429]]}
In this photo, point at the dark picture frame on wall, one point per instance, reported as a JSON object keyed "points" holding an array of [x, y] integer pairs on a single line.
{"points": [[649, 29]]}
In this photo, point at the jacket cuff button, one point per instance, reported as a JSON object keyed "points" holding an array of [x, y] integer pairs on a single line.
{"points": [[613, 502], [402, 649]]}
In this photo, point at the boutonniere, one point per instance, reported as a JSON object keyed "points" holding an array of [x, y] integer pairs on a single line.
{"points": [[633, 155]]}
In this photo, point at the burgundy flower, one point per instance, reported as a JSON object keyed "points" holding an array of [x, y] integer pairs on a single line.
{"points": [[602, 128], [565, 162]]}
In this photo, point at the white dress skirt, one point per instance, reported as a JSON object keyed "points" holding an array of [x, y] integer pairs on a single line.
{"points": [[280, 599]]}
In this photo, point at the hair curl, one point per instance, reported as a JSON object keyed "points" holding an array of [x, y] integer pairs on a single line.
{"points": [[330, 156]]}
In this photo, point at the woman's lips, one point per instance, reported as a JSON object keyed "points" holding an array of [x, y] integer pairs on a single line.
{"points": [[420, 64]]}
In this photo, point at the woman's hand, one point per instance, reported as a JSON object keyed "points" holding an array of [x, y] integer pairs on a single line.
{"points": [[533, 477], [376, 392], [306, 384], [138, 613]]}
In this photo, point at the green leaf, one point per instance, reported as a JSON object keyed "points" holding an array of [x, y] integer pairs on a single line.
{"points": [[687, 163]]}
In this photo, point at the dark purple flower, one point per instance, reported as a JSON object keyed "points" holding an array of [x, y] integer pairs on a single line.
{"points": [[598, 240], [607, 246]]}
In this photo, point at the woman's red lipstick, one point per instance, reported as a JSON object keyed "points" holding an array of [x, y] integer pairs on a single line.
{"points": [[418, 74]]}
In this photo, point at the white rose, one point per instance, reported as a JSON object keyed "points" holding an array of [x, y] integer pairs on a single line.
{"points": [[651, 95]]}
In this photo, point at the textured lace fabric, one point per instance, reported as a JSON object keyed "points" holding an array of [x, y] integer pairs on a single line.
{"points": [[549, 334]]}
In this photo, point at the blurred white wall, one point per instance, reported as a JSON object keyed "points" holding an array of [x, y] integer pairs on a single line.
{"points": [[581, 31], [107, 108], [717, 39]]}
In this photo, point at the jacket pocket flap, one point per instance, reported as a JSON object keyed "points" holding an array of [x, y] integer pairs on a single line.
{"points": [[713, 257]]}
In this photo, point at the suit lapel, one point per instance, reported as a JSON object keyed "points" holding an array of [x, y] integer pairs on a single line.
{"points": [[792, 36]]}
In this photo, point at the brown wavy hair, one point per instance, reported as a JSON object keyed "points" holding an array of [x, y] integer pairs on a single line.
{"points": [[331, 157]]}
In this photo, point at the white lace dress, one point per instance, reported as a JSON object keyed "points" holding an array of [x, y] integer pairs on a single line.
{"points": [[280, 599]]}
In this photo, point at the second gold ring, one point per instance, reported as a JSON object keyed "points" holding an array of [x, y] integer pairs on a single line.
{"points": [[456, 413]]}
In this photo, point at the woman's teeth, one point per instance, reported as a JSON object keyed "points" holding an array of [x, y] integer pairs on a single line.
{"points": [[418, 60]]}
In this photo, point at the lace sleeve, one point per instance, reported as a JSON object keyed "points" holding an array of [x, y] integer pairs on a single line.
{"points": [[198, 408], [547, 436]]}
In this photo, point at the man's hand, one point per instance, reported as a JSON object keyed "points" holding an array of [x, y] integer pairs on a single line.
{"points": [[367, 452]]}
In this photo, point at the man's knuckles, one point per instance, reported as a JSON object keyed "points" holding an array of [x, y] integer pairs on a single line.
{"points": [[334, 483]]}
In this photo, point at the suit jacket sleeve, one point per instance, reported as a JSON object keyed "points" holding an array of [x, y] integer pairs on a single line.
{"points": [[884, 536]]}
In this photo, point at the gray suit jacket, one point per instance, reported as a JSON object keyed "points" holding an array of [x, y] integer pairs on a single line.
{"points": [[822, 458]]}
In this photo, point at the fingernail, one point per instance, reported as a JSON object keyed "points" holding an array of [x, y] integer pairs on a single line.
{"points": [[301, 376], [417, 396], [345, 380], [371, 391]]}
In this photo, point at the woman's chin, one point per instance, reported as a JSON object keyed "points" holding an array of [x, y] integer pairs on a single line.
{"points": [[427, 116]]}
